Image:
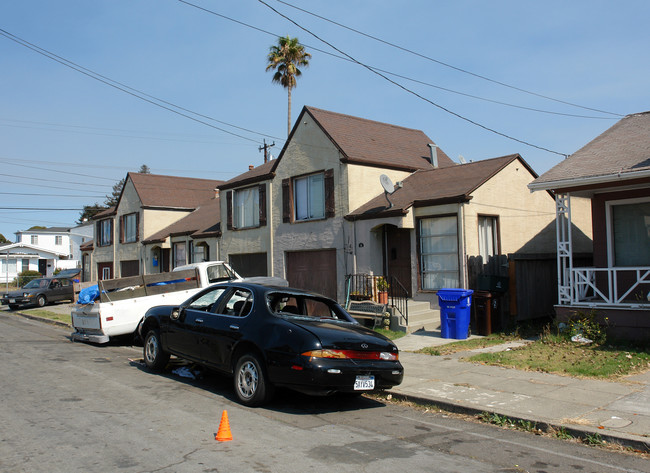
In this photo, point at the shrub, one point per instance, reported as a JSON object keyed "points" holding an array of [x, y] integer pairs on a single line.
{"points": [[25, 276], [587, 326]]}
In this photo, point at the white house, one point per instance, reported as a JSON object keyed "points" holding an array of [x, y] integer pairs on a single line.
{"points": [[44, 250]]}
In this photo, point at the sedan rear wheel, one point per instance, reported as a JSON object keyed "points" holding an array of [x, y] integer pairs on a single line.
{"points": [[154, 356], [251, 384]]}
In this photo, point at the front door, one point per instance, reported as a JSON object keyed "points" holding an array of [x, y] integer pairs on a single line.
{"points": [[397, 255]]}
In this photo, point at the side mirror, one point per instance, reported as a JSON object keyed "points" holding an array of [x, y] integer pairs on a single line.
{"points": [[176, 313]]}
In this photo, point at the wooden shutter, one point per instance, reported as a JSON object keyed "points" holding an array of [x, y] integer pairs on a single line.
{"points": [[262, 204], [287, 201], [229, 210], [329, 194]]}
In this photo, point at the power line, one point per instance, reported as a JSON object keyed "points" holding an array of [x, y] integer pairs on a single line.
{"points": [[52, 195], [464, 71], [406, 89], [129, 90], [49, 180], [374, 68], [40, 209], [61, 172], [102, 166]]}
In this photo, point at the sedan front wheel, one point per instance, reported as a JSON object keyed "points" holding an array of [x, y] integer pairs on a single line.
{"points": [[154, 356], [251, 384]]}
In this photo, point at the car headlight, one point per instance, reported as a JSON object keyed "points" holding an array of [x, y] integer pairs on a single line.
{"points": [[352, 354], [28, 295]]}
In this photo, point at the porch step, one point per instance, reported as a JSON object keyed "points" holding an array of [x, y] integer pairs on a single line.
{"points": [[422, 316]]}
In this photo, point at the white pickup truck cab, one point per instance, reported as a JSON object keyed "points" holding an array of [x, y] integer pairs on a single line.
{"points": [[124, 301]]}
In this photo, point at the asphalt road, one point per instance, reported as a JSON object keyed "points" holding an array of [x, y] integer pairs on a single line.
{"points": [[70, 407]]}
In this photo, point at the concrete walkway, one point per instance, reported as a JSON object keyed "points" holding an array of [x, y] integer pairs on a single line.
{"points": [[617, 411]]}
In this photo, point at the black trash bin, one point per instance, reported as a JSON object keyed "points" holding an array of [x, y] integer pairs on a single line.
{"points": [[487, 303]]}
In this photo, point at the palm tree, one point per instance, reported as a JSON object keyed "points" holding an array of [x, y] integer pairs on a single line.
{"points": [[285, 57]]}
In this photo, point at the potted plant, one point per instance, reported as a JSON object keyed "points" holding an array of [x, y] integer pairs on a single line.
{"points": [[382, 289]]}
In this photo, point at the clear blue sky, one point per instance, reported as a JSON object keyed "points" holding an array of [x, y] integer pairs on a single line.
{"points": [[63, 133]]}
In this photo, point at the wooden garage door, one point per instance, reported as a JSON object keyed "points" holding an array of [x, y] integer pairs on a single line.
{"points": [[313, 270]]}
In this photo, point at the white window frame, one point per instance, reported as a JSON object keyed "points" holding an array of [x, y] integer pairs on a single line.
{"points": [[105, 237], [34, 239], [609, 225], [456, 253], [130, 228], [306, 207], [488, 238], [246, 207], [177, 261], [58, 240]]}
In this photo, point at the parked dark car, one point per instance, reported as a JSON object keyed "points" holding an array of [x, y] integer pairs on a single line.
{"points": [[272, 336], [39, 292]]}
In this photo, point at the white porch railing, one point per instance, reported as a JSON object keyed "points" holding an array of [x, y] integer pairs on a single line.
{"points": [[599, 286]]}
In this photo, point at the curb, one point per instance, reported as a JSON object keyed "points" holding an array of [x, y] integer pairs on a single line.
{"points": [[579, 433], [42, 319]]}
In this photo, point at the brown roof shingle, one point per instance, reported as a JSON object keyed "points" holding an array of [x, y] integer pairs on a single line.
{"points": [[172, 191], [622, 149], [435, 187], [257, 174], [203, 222], [372, 143]]}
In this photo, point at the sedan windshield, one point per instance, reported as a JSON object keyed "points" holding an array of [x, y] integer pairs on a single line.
{"points": [[36, 284]]}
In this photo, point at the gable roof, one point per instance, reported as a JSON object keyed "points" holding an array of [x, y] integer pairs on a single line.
{"points": [[620, 153], [172, 192], [371, 143], [204, 222], [435, 187], [26, 247], [260, 173]]}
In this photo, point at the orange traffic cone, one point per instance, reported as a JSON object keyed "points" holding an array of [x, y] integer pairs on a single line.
{"points": [[223, 435]]}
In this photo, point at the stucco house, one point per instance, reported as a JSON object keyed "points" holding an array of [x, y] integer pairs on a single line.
{"points": [[148, 204], [613, 173], [318, 214]]}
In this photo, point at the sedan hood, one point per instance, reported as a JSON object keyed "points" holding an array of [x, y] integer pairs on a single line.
{"points": [[344, 336], [19, 293]]}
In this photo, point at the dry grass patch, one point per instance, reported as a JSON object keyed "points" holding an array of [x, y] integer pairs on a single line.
{"points": [[568, 358]]}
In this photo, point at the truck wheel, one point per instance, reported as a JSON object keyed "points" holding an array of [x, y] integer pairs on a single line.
{"points": [[41, 301], [154, 356], [252, 386]]}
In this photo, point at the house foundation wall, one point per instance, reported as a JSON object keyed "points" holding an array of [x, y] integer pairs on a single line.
{"points": [[624, 324]]}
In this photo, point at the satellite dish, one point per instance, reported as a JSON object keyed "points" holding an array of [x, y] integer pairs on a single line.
{"points": [[386, 183]]}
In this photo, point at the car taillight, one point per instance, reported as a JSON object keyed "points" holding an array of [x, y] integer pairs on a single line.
{"points": [[352, 354]]}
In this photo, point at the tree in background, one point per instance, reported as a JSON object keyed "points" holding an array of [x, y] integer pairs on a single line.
{"points": [[284, 58], [3, 239]]}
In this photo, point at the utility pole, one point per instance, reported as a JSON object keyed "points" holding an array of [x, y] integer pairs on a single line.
{"points": [[266, 150]]}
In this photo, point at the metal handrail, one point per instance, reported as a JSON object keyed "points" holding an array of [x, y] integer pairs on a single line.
{"points": [[366, 287]]}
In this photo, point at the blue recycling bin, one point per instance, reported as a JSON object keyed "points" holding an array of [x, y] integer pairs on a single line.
{"points": [[455, 307]]}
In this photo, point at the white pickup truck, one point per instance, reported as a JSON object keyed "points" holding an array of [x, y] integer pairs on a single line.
{"points": [[124, 301]]}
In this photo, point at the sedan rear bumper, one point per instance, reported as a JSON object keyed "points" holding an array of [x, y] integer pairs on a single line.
{"points": [[326, 376]]}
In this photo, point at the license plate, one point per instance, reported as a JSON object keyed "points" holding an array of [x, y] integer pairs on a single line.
{"points": [[12, 301], [364, 383]]}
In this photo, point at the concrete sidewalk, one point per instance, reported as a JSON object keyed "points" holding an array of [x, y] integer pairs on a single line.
{"points": [[617, 411]]}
